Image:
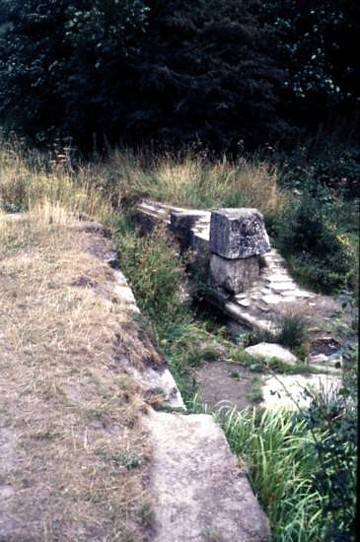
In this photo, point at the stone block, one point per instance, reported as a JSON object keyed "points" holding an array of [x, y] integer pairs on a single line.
{"points": [[183, 221], [234, 276], [238, 233], [271, 350]]}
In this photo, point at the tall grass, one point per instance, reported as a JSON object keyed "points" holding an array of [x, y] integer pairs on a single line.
{"points": [[280, 454], [156, 274], [302, 465], [29, 179], [278, 448], [194, 181], [123, 178]]}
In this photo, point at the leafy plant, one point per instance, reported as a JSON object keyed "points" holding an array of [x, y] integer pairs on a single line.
{"points": [[302, 464], [155, 271], [279, 454], [317, 251], [334, 417], [255, 392]]}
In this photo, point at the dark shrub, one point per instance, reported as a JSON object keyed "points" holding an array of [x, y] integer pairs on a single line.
{"points": [[335, 416], [316, 248]]}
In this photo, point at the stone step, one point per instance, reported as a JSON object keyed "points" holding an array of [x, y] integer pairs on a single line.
{"points": [[200, 491]]}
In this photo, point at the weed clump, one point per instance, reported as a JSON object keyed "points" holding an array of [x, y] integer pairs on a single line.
{"points": [[156, 274], [293, 330], [290, 330]]}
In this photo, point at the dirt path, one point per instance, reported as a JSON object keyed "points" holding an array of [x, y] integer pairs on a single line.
{"points": [[222, 382]]}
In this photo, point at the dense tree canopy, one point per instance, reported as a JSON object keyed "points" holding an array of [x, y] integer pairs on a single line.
{"points": [[319, 43], [177, 71]]}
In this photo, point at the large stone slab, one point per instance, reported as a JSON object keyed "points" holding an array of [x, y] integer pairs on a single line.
{"points": [[200, 492], [238, 233], [289, 391], [234, 276]]}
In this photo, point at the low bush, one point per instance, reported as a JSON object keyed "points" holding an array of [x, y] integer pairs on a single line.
{"points": [[293, 330], [333, 418], [290, 330], [323, 160], [318, 251]]}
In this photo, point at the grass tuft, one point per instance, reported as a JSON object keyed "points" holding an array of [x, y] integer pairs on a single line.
{"points": [[277, 449]]}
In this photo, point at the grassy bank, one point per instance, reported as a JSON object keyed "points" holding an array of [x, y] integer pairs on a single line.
{"points": [[74, 455], [300, 465]]}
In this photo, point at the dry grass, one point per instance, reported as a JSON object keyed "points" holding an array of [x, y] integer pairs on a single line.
{"points": [[29, 179], [97, 188], [201, 184], [193, 181], [74, 457]]}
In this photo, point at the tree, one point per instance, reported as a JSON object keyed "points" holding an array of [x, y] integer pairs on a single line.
{"points": [[63, 64], [319, 42], [207, 75], [176, 71], [169, 71]]}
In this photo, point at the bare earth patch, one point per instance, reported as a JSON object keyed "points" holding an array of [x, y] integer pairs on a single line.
{"points": [[74, 457], [221, 382]]}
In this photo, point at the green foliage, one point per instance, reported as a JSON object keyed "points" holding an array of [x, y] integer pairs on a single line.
{"points": [[126, 459], [317, 250], [293, 330], [238, 355], [280, 457], [303, 464], [211, 73], [155, 272], [334, 416], [64, 64], [107, 76], [318, 42], [324, 160], [255, 392]]}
